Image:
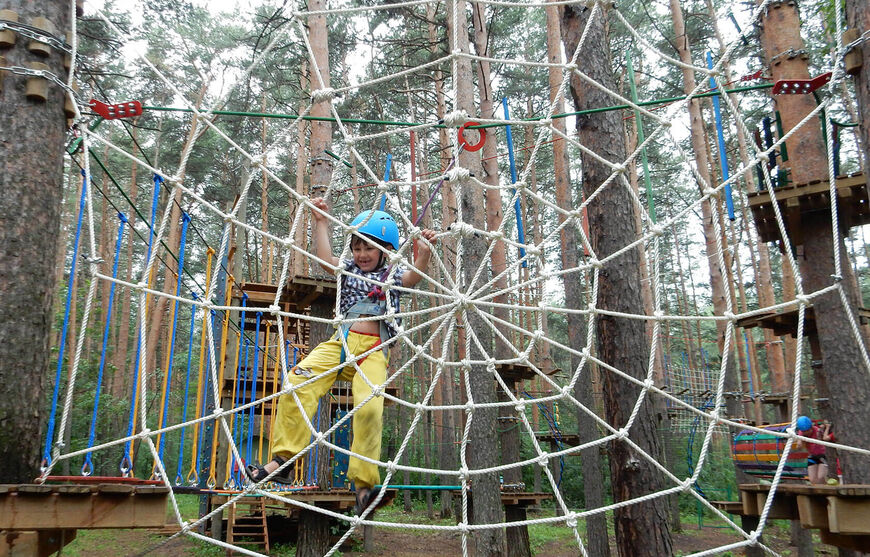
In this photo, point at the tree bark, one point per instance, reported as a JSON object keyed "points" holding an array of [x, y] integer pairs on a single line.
{"points": [[842, 370], [591, 459], [30, 209], [858, 17], [642, 528], [483, 442]]}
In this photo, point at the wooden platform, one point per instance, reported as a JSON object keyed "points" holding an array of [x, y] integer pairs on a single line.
{"points": [[72, 506], [570, 439], [797, 200], [514, 373], [297, 295], [840, 512], [337, 500], [786, 322]]}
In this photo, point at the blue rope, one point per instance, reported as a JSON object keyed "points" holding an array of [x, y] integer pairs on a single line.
{"points": [[250, 444], [179, 478], [46, 454], [554, 427], [239, 422], [126, 464], [88, 466], [185, 220], [236, 424], [389, 165], [723, 155], [521, 236]]}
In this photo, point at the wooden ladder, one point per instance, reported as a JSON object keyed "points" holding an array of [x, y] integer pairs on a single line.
{"points": [[246, 524]]}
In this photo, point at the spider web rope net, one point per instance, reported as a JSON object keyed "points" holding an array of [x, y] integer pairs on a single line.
{"points": [[451, 296]]}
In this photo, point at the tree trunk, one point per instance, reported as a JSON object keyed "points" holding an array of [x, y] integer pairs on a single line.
{"points": [[321, 131], [444, 393], [847, 379], [30, 209], [642, 528], [591, 459], [858, 16], [119, 385], [482, 437]]}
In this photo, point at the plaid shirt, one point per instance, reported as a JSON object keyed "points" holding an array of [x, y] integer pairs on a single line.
{"points": [[357, 284]]}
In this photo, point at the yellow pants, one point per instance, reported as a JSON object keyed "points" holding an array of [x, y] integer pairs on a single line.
{"points": [[290, 434]]}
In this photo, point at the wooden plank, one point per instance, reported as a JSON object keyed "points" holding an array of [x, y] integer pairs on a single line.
{"points": [[731, 507], [855, 543], [750, 503], [63, 507], [813, 512], [849, 515], [783, 505]]}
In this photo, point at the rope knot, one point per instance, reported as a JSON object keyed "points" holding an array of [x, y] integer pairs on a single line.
{"points": [[274, 309], [462, 229], [648, 384], [803, 299], [709, 192], [657, 230], [621, 433], [543, 460], [463, 474], [572, 521], [322, 95], [455, 118], [458, 174], [391, 467]]}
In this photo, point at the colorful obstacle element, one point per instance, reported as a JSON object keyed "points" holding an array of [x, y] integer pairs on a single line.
{"points": [[758, 454]]}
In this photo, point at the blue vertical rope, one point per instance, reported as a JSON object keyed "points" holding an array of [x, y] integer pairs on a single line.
{"points": [[236, 423], [126, 464], [179, 478], [240, 416], [521, 236], [386, 179], [88, 467], [720, 134], [250, 451], [185, 220], [46, 454]]}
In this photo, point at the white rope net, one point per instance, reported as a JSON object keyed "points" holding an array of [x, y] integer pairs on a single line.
{"points": [[433, 313]]}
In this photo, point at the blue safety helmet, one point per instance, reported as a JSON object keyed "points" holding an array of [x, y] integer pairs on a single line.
{"points": [[804, 423], [380, 227]]}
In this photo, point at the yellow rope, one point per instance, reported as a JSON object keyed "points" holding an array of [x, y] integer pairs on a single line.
{"points": [[193, 474], [212, 480]]}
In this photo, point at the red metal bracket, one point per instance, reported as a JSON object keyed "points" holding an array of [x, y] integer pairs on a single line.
{"points": [[800, 86], [115, 111]]}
